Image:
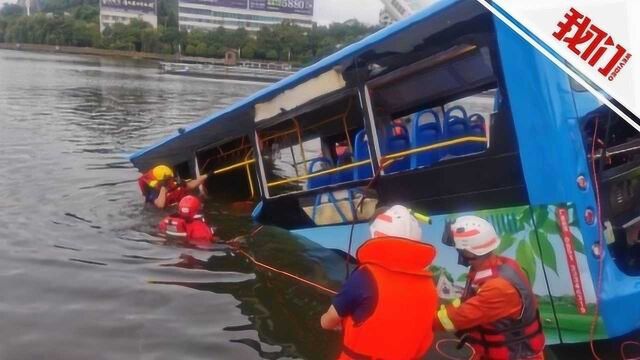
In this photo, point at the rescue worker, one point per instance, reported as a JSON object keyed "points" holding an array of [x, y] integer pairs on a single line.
{"points": [[160, 188], [385, 309], [498, 312], [188, 225]]}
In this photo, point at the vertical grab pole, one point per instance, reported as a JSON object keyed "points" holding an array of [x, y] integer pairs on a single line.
{"points": [[196, 170], [249, 175], [346, 129], [299, 132]]}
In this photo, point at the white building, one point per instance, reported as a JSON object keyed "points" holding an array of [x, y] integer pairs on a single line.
{"points": [[395, 10], [249, 14], [122, 11]]}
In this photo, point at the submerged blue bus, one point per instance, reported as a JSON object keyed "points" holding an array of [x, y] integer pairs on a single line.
{"points": [[449, 112]]}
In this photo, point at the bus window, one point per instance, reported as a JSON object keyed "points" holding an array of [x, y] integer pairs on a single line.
{"points": [[434, 110], [616, 157], [323, 146], [232, 169]]}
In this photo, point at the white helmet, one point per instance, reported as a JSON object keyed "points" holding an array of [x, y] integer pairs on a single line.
{"points": [[474, 234], [396, 221]]}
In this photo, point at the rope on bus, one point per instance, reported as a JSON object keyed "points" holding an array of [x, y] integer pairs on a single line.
{"points": [[383, 163], [596, 313]]}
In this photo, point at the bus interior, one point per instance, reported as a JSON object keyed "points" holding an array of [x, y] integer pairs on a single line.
{"points": [[616, 161], [232, 169], [435, 109], [320, 146]]}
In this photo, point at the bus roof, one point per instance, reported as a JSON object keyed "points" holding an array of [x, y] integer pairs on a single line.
{"points": [[181, 146]]}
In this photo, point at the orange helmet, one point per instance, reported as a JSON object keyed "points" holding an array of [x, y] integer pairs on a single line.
{"points": [[189, 206]]}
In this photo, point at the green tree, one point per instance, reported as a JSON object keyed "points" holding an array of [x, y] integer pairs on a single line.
{"points": [[11, 10], [237, 39], [86, 13], [76, 22], [248, 51], [168, 13]]}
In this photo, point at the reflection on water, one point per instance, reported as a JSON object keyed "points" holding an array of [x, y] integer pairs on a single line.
{"points": [[83, 273]]}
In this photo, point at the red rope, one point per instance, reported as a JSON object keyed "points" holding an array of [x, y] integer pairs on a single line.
{"points": [[596, 313], [271, 268]]}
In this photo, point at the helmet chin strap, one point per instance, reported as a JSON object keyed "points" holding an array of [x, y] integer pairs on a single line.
{"points": [[465, 258]]}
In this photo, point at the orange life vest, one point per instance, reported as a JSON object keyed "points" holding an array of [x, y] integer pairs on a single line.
{"points": [[400, 326], [194, 231], [517, 338], [174, 192]]}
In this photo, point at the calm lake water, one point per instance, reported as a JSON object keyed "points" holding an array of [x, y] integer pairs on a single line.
{"points": [[83, 274]]}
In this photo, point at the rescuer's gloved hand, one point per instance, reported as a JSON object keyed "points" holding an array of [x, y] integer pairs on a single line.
{"points": [[162, 183]]}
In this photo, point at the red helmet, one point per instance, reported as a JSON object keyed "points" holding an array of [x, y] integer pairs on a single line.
{"points": [[189, 206]]}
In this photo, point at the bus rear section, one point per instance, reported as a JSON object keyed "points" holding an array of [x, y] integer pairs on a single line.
{"points": [[614, 147]]}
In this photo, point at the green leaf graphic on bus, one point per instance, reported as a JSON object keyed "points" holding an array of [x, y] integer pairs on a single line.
{"points": [[543, 249], [526, 259]]}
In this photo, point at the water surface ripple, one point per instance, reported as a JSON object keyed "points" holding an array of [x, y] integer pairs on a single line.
{"points": [[82, 274]]}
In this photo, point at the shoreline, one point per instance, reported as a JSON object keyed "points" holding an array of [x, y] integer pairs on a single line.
{"points": [[85, 51], [203, 66], [108, 52]]}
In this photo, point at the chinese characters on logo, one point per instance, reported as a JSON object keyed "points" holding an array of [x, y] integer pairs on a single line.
{"points": [[594, 45]]}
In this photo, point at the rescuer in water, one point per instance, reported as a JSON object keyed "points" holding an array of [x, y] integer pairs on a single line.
{"points": [[498, 312], [160, 188], [188, 225], [386, 307]]}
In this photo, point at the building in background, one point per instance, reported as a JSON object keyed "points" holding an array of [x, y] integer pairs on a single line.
{"points": [[395, 10], [248, 14], [122, 11]]}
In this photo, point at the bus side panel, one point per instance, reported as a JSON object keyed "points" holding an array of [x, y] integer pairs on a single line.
{"points": [[553, 157], [560, 249], [515, 228]]}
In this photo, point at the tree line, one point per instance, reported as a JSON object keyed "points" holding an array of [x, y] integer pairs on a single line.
{"points": [[76, 23]]}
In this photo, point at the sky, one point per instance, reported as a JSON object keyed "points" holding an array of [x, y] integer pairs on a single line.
{"points": [[327, 11]]}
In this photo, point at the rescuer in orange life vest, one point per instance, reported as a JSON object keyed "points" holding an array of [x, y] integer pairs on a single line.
{"points": [[386, 307], [160, 188], [188, 225], [498, 312]]}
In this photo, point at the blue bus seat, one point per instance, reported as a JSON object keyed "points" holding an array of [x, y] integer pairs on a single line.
{"points": [[477, 128], [361, 152], [343, 175], [397, 141], [426, 133], [456, 127], [321, 180]]}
